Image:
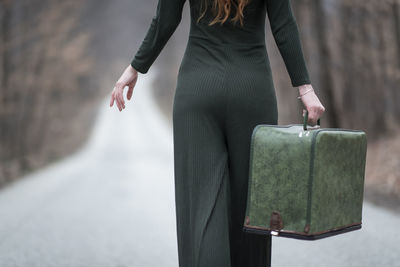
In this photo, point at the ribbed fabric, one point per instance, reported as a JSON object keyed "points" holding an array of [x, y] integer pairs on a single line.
{"points": [[224, 89]]}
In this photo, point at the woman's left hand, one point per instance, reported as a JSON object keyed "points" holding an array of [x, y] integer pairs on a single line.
{"points": [[128, 78]]}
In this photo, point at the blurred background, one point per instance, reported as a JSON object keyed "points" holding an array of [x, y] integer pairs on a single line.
{"points": [[80, 183]]}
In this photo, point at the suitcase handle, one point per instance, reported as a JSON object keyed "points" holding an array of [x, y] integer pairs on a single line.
{"points": [[312, 127]]}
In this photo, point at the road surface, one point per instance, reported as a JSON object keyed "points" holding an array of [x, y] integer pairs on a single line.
{"points": [[112, 204]]}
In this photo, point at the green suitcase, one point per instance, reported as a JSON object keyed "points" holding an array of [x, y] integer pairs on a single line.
{"points": [[305, 183]]}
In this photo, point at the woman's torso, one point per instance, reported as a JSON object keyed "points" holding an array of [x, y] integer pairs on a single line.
{"points": [[228, 53], [226, 67]]}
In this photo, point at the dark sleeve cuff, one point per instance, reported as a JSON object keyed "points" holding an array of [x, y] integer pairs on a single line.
{"points": [[138, 67], [297, 83]]}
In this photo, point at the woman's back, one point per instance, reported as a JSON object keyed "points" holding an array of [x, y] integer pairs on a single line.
{"points": [[224, 89], [252, 34]]}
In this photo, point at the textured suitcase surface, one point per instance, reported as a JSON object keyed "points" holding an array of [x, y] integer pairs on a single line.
{"points": [[305, 184]]}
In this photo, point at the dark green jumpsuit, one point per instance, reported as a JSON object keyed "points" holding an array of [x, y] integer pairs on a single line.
{"points": [[224, 89]]}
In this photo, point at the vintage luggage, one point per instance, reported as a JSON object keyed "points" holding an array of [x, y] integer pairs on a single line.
{"points": [[305, 183]]}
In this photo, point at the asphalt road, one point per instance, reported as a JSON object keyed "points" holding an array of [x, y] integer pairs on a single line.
{"points": [[112, 204]]}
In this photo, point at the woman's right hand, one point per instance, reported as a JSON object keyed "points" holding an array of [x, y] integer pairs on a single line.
{"points": [[128, 78], [311, 103]]}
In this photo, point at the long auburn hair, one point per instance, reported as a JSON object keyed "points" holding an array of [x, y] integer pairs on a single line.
{"points": [[223, 8]]}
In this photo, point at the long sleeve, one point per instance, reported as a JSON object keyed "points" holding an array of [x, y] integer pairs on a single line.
{"points": [[286, 34], [163, 25]]}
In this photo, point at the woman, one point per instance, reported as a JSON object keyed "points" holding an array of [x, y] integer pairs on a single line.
{"points": [[224, 89]]}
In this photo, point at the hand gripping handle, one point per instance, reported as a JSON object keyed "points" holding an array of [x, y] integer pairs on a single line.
{"points": [[312, 127]]}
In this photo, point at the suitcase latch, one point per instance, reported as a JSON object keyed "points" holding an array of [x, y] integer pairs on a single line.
{"points": [[276, 222]]}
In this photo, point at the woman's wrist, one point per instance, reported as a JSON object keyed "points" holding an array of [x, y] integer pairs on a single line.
{"points": [[132, 68], [303, 88]]}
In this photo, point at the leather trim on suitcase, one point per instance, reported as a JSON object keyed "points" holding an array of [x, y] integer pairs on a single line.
{"points": [[296, 235]]}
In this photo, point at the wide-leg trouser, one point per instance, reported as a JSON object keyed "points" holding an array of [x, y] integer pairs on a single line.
{"points": [[214, 113]]}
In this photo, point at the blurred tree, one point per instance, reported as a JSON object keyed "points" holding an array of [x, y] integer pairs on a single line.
{"points": [[46, 99], [352, 48], [353, 52]]}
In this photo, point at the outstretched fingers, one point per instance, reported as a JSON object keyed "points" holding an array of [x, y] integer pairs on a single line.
{"points": [[121, 98], [130, 92], [112, 99], [117, 96]]}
